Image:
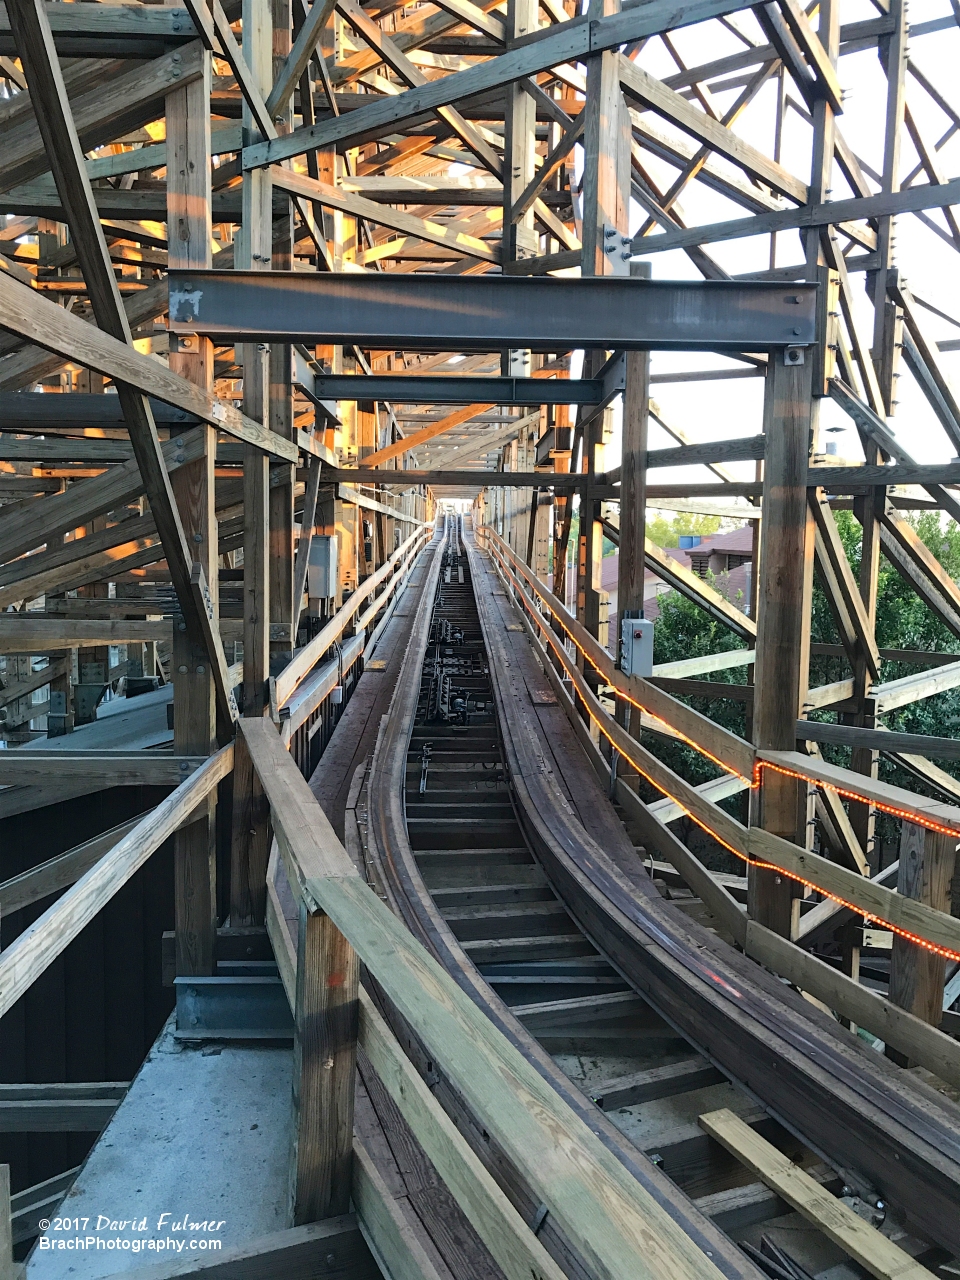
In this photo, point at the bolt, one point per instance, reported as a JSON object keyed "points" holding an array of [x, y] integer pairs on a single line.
{"points": [[198, 537], [184, 766], [331, 1259], [181, 626], [610, 231], [200, 670], [182, 670], [797, 332]]}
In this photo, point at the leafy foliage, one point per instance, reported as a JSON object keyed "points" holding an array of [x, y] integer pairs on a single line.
{"points": [[666, 531]]}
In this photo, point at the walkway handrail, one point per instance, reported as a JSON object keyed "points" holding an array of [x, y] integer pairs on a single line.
{"points": [[614, 1224], [303, 662], [39, 945], [919, 923]]}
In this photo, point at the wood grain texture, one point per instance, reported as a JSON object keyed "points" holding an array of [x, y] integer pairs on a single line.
{"points": [[858, 1238]]}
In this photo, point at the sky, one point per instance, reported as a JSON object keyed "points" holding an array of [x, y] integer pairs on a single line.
{"points": [[718, 410]]}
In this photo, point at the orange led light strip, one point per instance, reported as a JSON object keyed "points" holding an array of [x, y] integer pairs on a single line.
{"points": [[935, 949], [918, 819]]}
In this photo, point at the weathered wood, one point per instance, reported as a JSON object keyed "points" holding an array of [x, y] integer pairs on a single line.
{"points": [[120, 769], [325, 1064], [913, 917], [393, 1237], [329, 1250], [907, 804], [38, 946], [41, 322], [785, 577], [30, 633], [925, 873], [857, 1237], [297, 670], [509, 1239]]}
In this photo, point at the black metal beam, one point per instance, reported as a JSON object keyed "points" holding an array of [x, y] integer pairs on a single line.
{"points": [[413, 389], [20, 411], [489, 313]]}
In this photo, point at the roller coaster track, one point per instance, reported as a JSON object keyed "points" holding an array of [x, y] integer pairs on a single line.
{"points": [[627, 1006]]}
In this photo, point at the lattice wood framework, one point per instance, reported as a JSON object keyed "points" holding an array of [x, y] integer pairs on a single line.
{"points": [[453, 138]]}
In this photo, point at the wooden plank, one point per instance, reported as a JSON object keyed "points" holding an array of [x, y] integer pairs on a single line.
{"points": [[694, 588], [879, 739], [838, 1222], [731, 751], [574, 1175], [47, 325], [38, 946], [833, 212], [121, 769], [324, 1064], [128, 100], [329, 1250], [785, 582], [655, 1082], [8, 1269], [387, 1230], [300, 667], [511, 1242], [925, 871], [867, 896], [61, 140], [694, 874], [569, 42], [27, 633], [922, 684], [645, 88], [432, 232], [76, 1115], [38, 524], [907, 804]]}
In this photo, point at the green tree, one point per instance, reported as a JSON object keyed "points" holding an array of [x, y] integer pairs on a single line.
{"points": [[666, 531]]}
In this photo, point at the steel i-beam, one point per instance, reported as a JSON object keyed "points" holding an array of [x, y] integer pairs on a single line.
{"points": [[488, 313]]}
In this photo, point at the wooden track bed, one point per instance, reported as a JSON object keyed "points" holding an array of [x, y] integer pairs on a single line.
{"points": [[504, 856]]}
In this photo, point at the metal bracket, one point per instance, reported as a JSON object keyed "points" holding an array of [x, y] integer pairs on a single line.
{"points": [[246, 1001], [617, 249]]}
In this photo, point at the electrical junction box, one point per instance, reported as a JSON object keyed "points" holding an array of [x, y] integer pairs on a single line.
{"points": [[636, 647], [322, 567]]}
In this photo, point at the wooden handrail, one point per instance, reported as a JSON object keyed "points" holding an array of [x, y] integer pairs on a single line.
{"points": [[607, 1216], [878, 1015], [728, 750], [39, 945], [303, 663]]}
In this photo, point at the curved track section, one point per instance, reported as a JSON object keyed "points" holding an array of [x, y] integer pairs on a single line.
{"points": [[629, 1008]]}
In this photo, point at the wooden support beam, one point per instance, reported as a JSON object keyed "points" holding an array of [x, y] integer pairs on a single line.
{"points": [[189, 217], [60, 872], [783, 635], [926, 868], [327, 984], [859, 1239], [37, 947]]}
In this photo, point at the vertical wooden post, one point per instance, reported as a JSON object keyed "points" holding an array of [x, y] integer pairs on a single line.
{"points": [[520, 239], [8, 1269], [927, 864], [324, 1070], [606, 198], [633, 484], [783, 623], [189, 198], [255, 252]]}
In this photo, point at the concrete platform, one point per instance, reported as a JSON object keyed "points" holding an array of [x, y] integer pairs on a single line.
{"points": [[203, 1136]]}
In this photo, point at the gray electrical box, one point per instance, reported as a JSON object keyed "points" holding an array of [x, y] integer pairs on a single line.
{"points": [[636, 647], [322, 567]]}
